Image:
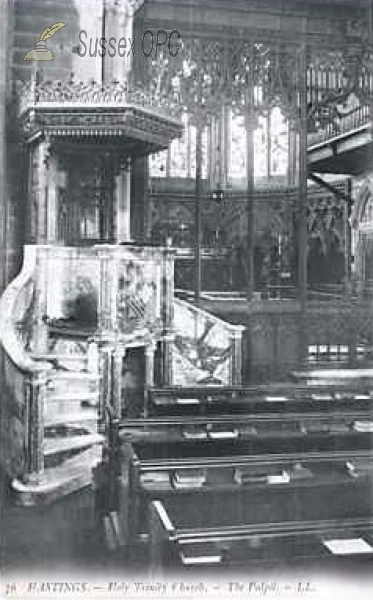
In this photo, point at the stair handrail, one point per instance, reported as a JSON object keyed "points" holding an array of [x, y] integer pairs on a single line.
{"points": [[229, 326], [31, 376], [357, 118], [235, 333], [9, 337]]}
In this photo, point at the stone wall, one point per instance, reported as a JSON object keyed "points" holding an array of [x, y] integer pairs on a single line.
{"points": [[3, 57]]}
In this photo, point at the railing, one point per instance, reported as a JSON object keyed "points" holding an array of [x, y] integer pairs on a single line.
{"points": [[25, 378], [206, 349], [357, 118], [91, 94]]}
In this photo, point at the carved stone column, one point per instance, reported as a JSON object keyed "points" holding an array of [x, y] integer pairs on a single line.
{"points": [[106, 295], [302, 206], [51, 198], [167, 355], [32, 209], [168, 307], [250, 123], [111, 361], [293, 157], [2, 150], [149, 365], [119, 22], [198, 216], [40, 332], [236, 356], [168, 290], [39, 190], [139, 195], [123, 203], [105, 381], [35, 453], [348, 243], [117, 357]]}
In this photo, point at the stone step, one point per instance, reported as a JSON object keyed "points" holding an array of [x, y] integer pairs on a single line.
{"points": [[57, 401], [85, 416], [73, 362], [63, 383], [58, 356], [72, 474], [60, 410], [75, 376], [59, 445], [72, 396], [63, 388]]}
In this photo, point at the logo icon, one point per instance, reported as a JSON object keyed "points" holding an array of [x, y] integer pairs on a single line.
{"points": [[40, 51]]}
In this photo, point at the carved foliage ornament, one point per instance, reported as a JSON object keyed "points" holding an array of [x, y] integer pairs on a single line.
{"points": [[90, 93], [207, 74]]}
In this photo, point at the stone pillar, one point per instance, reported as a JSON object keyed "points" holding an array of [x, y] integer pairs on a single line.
{"points": [[111, 360], [35, 452], [105, 381], [168, 307], [52, 205], [250, 191], [149, 355], [116, 379], [2, 149], [32, 211], [293, 157], [3, 56], [40, 333], [360, 267], [149, 365], [236, 356], [38, 192], [104, 313], [123, 203], [302, 208], [119, 24], [139, 198], [167, 355], [224, 144], [348, 242], [198, 218]]}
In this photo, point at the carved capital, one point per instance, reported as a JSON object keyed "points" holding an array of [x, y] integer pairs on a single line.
{"points": [[125, 163]]}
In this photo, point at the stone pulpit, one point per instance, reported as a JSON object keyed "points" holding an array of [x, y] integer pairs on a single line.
{"points": [[91, 310]]}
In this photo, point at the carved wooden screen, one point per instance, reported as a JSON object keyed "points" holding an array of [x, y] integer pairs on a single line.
{"points": [[85, 201]]}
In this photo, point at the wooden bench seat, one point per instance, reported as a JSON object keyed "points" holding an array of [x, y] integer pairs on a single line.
{"points": [[180, 536]]}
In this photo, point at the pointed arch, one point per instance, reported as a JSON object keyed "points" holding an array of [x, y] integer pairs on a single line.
{"points": [[362, 225], [362, 217]]}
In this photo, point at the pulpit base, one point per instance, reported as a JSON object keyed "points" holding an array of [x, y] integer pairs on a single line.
{"points": [[57, 482]]}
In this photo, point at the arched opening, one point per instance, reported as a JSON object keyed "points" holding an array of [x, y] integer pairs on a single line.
{"points": [[363, 243]]}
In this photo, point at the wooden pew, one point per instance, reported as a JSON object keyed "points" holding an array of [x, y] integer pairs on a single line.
{"points": [[287, 452], [193, 536], [265, 398]]}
